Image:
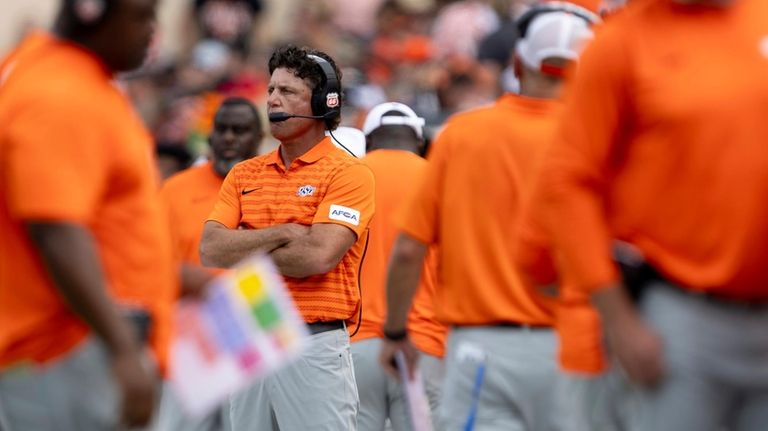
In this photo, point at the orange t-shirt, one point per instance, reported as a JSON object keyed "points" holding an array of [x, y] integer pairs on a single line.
{"points": [[396, 173], [73, 150], [469, 205], [324, 185], [663, 147], [190, 196]]}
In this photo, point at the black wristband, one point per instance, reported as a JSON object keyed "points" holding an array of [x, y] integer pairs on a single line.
{"points": [[396, 335]]}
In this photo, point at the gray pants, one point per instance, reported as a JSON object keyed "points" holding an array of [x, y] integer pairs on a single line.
{"points": [[74, 393], [317, 392], [716, 366], [518, 389], [381, 396], [172, 417], [592, 402]]}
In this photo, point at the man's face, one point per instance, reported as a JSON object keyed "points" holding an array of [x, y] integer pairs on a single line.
{"points": [[291, 94], [130, 28], [235, 137]]}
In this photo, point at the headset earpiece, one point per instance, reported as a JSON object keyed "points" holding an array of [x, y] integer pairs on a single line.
{"points": [[326, 99]]}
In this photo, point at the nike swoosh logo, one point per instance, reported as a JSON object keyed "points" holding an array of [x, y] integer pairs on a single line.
{"points": [[245, 192]]}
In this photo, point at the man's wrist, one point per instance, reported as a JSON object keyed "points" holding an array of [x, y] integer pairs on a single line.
{"points": [[395, 335]]}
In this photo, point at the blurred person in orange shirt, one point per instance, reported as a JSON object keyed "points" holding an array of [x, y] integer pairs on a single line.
{"points": [[590, 394], [191, 194], [500, 358], [308, 204], [87, 276], [662, 147], [394, 135]]}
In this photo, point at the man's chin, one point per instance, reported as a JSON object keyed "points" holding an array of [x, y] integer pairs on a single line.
{"points": [[223, 166]]}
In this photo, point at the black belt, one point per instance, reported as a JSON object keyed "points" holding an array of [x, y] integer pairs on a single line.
{"points": [[638, 275], [319, 327], [518, 325]]}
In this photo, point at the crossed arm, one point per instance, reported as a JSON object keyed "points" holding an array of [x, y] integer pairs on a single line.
{"points": [[298, 250]]}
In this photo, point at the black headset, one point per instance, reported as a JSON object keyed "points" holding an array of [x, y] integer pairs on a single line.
{"points": [[326, 98], [527, 18]]}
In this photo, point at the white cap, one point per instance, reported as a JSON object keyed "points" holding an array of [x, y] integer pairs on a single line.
{"points": [[554, 34], [378, 116]]}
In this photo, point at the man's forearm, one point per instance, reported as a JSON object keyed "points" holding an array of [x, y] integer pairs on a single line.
{"points": [[403, 278], [613, 303], [299, 258], [222, 247], [318, 252], [71, 259]]}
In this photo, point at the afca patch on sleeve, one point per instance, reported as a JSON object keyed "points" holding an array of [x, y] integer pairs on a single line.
{"points": [[345, 214]]}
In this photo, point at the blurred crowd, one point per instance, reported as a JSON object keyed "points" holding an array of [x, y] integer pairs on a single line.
{"points": [[438, 56]]}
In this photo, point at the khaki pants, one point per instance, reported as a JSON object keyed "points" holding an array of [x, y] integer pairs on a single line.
{"points": [[588, 402], [716, 365], [518, 389], [382, 397], [317, 392], [172, 417]]}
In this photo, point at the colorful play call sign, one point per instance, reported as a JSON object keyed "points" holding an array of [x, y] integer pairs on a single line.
{"points": [[246, 328]]}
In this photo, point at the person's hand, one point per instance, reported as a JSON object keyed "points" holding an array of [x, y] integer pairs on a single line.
{"points": [[389, 349], [137, 385], [638, 348]]}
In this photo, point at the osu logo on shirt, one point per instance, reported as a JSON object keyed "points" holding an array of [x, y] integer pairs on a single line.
{"points": [[305, 191]]}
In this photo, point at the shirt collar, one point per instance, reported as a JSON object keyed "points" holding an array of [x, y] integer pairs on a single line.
{"points": [[320, 150]]}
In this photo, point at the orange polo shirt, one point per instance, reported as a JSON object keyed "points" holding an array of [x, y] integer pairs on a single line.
{"points": [[72, 150], [190, 196], [663, 146], [469, 205], [397, 172], [324, 185]]}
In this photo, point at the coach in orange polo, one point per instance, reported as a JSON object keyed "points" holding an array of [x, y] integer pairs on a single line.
{"points": [[308, 205]]}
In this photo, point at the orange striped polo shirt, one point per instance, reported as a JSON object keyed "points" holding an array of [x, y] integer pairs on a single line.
{"points": [[324, 185]]}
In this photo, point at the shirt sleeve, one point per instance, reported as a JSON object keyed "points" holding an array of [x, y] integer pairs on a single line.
{"points": [[226, 210], [57, 163], [576, 171], [350, 199], [419, 217]]}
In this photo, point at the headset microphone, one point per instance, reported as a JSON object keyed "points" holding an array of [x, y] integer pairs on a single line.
{"points": [[279, 117]]}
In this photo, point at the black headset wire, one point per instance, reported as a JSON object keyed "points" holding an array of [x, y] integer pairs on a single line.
{"points": [[360, 284], [340, 144], [362, 259]]}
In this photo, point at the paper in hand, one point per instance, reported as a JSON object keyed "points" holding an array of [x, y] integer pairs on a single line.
{"points": [[245, 328], [415, 396]]}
